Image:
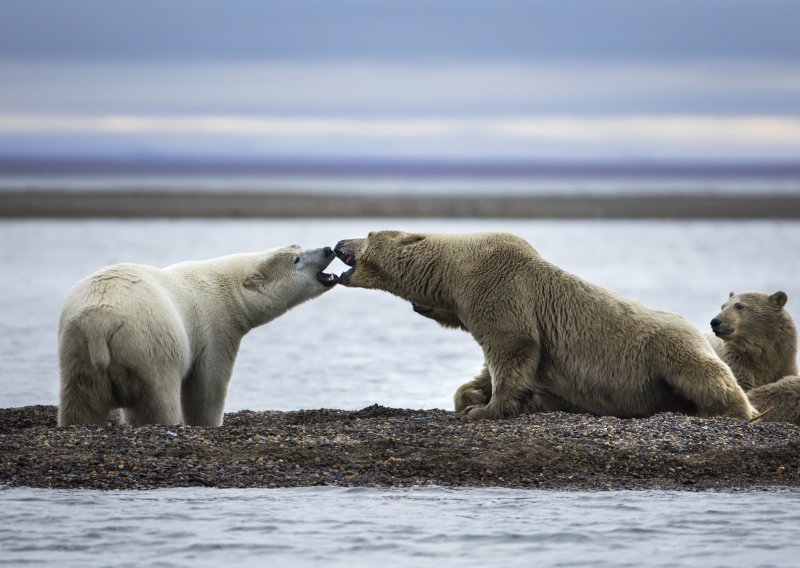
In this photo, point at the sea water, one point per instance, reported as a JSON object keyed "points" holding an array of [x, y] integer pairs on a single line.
{"points": [[399, 528], [352, 348]]}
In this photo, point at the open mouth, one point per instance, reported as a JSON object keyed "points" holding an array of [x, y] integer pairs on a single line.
{"points": [[349, 259], [327, 279], [346, 257], [723, 331]]}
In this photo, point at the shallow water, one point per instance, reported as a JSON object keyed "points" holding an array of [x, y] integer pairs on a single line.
{"points": [[352, 348], [423, 527]]}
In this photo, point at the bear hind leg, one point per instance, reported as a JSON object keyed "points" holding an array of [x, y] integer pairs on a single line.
{"points": [[163, 411], [711, 387], [85, 398], [156, 402]]}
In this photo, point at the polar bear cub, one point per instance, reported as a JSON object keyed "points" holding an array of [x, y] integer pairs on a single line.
{"points": [[161, 343]]}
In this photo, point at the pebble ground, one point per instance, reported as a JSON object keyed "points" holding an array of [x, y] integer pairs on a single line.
{"points": [[387, 447]]}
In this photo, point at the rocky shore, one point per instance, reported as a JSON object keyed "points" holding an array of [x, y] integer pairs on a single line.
{"points": [[386, 447]]}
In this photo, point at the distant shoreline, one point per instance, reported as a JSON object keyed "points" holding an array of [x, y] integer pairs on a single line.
{"points": [[170, 204]]}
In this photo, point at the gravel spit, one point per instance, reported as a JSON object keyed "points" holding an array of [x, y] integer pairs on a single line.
{"points": [[388, 447]]}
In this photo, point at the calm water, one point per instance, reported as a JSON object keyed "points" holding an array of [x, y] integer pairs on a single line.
{"points": [[424, 527], [352, 348]]}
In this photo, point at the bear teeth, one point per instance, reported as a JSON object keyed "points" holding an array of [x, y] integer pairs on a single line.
{"points": [[327, 279]]}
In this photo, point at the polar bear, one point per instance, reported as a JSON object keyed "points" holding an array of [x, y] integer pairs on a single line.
{"points": [[161, 343], [550, 339], [779, 401], [756, 337]]}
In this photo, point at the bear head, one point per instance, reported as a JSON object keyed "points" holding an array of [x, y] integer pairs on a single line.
{"points": [[276, 280], [380, 261], [750, 315]]}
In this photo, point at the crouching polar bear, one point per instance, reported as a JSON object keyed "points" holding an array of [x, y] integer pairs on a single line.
{"points": [[551, 340], [161, 343]]}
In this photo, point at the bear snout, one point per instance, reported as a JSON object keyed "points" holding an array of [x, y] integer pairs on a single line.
{"points": [[720, 328]]}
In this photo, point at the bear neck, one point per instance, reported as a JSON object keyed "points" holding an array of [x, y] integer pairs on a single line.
{"points": [[421, 280], [770, 356], [218, 297]]}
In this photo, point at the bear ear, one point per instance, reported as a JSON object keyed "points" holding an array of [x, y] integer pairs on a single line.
{"points": [[730, 295], [779, 299], [254, 282], [411, 239]]}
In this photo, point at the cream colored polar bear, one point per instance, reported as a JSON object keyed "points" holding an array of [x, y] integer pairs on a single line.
{"points": [[551, 340], [756, 337], [161, 343]]}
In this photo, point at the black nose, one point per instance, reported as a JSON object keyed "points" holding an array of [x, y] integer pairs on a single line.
{"points": [[327, 251], [715, 323]]}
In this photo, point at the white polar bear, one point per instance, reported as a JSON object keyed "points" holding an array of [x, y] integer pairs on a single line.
{"points": [[161, 343]]}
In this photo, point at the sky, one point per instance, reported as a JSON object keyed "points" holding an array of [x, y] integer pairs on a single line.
{"points": [[588, 80]]}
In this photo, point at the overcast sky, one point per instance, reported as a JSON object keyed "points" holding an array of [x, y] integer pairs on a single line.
{"points": [[507, 30], [590, 79]]}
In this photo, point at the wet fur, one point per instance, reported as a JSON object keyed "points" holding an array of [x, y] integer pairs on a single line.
{"points": [[551, 340]]}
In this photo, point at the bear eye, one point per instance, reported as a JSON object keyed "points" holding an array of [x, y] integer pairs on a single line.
{"points": [[739, 307], [296, 260]]}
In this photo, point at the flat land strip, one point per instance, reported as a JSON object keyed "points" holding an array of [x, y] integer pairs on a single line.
{"points": [[386, 447], [190, 204]]}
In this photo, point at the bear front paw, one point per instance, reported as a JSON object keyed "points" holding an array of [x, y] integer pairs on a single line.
{"points": [[491, 410], [475, 411], [480, 411]]}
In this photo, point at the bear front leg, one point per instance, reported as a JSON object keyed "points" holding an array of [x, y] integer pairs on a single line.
{"points": [[476, 392], [512, 365], [204, 390]]}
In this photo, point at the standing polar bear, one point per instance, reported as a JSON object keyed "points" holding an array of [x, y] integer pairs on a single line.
{"points": [[551, 340], [161, 343]]}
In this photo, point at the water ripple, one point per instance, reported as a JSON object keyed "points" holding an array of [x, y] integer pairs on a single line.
{"points": [[417, 527]]}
